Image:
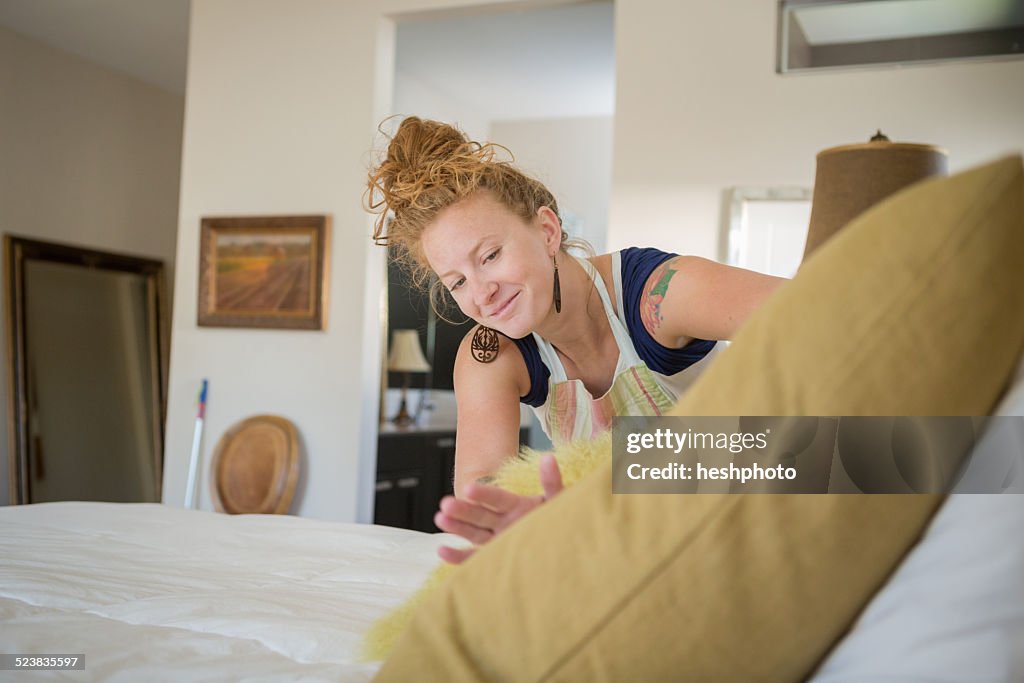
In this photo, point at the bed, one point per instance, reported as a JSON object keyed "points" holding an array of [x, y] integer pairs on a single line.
{"points": [[153, 593], [157, 593], [149, 592]]}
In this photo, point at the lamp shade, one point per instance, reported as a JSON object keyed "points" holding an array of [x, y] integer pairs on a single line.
{"points": [[406, 354], [851, 178]]}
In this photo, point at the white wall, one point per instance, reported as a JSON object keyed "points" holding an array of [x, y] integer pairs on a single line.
{"points": [[87, 157], [413, 97], [573, 158], [282, 104], [699, 108]]}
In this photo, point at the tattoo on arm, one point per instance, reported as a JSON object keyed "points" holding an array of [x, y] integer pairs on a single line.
{"points": [[485, 480], [650, 301]]}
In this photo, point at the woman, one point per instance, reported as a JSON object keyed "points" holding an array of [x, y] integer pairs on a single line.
{"points": [[578, 339]]}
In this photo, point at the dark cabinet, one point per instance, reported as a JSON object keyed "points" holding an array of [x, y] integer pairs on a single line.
{"points": [[414, 471]]}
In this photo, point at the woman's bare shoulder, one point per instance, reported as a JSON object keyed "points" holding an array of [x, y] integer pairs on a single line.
{"points": [[508, 367]]}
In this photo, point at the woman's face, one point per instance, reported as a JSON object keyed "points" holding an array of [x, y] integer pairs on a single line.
{"points": [[496, 266]]}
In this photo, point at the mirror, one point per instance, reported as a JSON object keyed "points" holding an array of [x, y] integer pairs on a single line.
{"points": [[815, 34], [766, 228], [87, 368]]}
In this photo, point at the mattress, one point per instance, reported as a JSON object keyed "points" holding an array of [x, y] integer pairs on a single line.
{"points": [[153, 593]]}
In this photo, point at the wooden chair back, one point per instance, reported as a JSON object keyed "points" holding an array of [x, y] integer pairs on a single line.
{"points": [[256, 466]]}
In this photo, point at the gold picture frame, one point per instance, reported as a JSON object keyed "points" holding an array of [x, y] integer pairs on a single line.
{"points": [[264, 271]]}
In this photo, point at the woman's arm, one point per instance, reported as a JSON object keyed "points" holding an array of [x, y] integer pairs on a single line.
{"points": [[487, 403], [487, 434], [690, 297]]}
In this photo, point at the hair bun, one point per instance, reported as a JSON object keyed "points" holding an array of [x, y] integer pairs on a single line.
{"points": [[419, 155], [419, 143], [427, 162]]}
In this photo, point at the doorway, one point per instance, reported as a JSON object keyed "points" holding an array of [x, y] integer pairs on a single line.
{"points": [[539, 81]]}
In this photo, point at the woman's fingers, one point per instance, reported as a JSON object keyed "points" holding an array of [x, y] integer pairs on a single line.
{"points": [[485, 510], [492, 497], [550, 476], [469, 512], [454, 555], [473, 534]]}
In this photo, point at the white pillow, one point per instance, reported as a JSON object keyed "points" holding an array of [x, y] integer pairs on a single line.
{"points": [[954, 609]]}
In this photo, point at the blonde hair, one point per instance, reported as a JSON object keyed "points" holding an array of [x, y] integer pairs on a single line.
{"points": [[428, 167]]}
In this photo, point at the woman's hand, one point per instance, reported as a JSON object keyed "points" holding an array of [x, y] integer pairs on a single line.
{"points": [[484, 511]]}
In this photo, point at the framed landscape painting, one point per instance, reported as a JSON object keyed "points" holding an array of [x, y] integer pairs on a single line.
{"points": [[266, 272]]}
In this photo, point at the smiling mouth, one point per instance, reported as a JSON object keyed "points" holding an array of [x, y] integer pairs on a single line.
{"points": [[501, 310]]}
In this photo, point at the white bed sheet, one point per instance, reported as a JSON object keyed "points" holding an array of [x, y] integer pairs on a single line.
{"points": [[153, 593]]}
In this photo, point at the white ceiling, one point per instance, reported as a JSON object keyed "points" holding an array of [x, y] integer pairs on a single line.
{"points": [[147, 39], [546, 62], [869, 21]]}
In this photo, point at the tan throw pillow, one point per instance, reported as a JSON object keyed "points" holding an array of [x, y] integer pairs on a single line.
{"points": [[518, 475], [914, 309]]}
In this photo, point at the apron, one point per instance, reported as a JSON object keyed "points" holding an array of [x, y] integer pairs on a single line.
{"points": [[570, 412]]}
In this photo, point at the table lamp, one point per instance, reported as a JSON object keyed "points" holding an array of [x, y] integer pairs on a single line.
{"points": [[851, 178], [406, 357]]}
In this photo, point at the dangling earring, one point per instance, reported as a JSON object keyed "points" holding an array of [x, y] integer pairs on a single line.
{"points": [[558, 288], [484, 346]]}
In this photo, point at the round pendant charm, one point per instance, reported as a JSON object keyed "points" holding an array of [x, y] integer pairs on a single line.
{"points": [[485, 345]]}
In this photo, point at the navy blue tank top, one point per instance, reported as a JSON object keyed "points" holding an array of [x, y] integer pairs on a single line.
{"points": [[637, 266]]}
